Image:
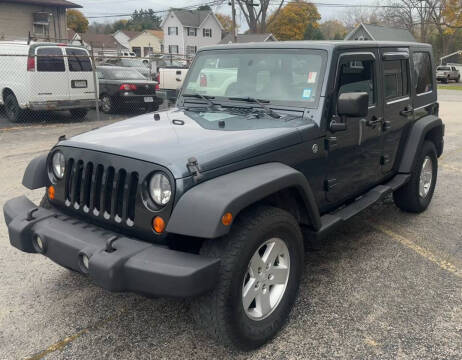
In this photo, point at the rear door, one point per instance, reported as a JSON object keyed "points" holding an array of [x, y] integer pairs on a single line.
{"points": [[398, 110], [81, 82], [50, 78]]}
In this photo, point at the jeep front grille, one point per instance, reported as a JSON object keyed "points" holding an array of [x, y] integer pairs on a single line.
{"points": [[101, 191]]}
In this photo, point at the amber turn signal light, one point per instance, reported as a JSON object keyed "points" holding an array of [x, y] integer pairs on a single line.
{"points": [[227, 218], [51, 192], [158, 224]]}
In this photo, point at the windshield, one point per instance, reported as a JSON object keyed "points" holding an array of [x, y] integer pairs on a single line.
{"points": [[443, 68], [276, 75]]}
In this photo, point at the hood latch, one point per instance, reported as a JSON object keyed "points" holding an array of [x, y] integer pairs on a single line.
{"points": [[194, 168]]}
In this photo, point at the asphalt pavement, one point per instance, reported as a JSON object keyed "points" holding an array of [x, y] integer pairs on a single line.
{"points": [[388, 285]]}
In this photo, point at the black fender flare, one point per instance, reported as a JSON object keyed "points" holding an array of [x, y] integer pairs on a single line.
{"points": [[415, 139], [199, 211], [36, 174]]}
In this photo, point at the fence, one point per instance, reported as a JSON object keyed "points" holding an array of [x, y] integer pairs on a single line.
{"points": [[59, 83]]}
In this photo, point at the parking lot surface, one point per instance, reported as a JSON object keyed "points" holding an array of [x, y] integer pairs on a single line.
{"points": [[388, 285]]}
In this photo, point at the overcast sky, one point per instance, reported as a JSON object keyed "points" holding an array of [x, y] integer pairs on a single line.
{"points": [[116, 7]]}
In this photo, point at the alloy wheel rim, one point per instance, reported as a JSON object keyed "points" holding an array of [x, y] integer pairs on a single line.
{"points": [[266, 278], [106, 103], [426, 177]]}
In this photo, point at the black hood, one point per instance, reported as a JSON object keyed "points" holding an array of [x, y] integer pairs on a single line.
{"points": [[178, 136]]}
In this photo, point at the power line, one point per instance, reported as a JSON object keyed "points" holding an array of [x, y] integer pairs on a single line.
{"points": [[190, 7]]}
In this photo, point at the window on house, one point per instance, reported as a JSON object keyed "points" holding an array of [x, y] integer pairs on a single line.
{"points": [[190, 50], [423, 72], [41, 24], [50, 60], [137, 50], [395, 78], [207, 32], [147, 50], [173, 49], [173, 30], [191, 31], [161, 48]]}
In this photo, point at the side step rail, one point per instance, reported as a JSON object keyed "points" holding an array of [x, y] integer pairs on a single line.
{"points": [[333, 220]]}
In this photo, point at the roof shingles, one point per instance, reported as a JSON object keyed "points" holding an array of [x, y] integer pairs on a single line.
{"points": [[59, 3]]}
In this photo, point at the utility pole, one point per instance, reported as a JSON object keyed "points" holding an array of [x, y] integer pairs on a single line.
{"points": [[233, 10]]}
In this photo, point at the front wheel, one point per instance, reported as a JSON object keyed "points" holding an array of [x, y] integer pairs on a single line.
{"points": [[260, 272], [416, 195]]}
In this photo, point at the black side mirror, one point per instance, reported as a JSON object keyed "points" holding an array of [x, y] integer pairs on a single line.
{"points": [[355, 104]]}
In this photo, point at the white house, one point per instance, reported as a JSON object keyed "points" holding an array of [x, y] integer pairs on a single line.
{"points": [[185, 31]]}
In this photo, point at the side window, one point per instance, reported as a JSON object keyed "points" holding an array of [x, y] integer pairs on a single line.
{"points": [[50, 60], [358, 76], [395, 73], [423, 71], [78, 60]]}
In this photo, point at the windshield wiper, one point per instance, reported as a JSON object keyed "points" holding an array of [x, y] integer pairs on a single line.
{"points": [[205, 98], [266, 109]]}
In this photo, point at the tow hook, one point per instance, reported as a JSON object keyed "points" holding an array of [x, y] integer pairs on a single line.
{"points": [[109, 243], [30, 214]]}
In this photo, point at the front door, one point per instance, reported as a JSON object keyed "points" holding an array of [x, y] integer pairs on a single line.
{"points": [[354, 153], [397, 103]]}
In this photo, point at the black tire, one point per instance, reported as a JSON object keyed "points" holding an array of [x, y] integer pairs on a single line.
{"points": [[408, 198], [13, 112], [221, 312], [107, 104], [78, 113], [458, 79]]}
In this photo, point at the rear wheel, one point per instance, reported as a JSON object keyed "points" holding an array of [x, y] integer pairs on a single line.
{"points": [[260, 272], [78, 113], [416, 195], [13, 112], [107, 104]]}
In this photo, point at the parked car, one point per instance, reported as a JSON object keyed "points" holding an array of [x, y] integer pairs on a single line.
{"points": [[121, 87], [214, 198], [445, 73], [134, 63], [45, 76]]}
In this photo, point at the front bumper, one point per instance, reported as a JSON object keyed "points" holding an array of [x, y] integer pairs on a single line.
{"points": [[62, 104], [127, 265]]}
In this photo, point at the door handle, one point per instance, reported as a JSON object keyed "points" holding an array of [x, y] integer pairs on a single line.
{"points": [[408, 110], [374, 121], [386, 125]]}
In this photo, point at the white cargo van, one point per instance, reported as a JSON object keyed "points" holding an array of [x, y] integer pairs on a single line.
{"points": [[45, 76]]}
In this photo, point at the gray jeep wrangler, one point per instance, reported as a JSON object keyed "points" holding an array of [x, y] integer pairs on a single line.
{"points": [[269, 144]]}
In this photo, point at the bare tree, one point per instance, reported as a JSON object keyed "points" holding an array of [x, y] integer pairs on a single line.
{"points": [[256, 16]]}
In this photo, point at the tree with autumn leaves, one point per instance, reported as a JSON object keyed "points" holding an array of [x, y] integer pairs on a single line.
{"points": [[295, 21]]}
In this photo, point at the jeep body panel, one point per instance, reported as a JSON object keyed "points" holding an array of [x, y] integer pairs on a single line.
{"points": [[234, 192]]}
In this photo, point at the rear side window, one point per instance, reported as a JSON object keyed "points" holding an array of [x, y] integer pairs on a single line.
{"points": [[423, 71], [78, 60], [50, 60], [395, 78]]}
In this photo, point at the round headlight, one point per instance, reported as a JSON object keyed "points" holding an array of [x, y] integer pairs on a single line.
{"points": [[160, 189], [58, 164]]}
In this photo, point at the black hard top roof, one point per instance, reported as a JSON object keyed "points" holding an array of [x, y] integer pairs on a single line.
{"points": [[321, 45]]}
